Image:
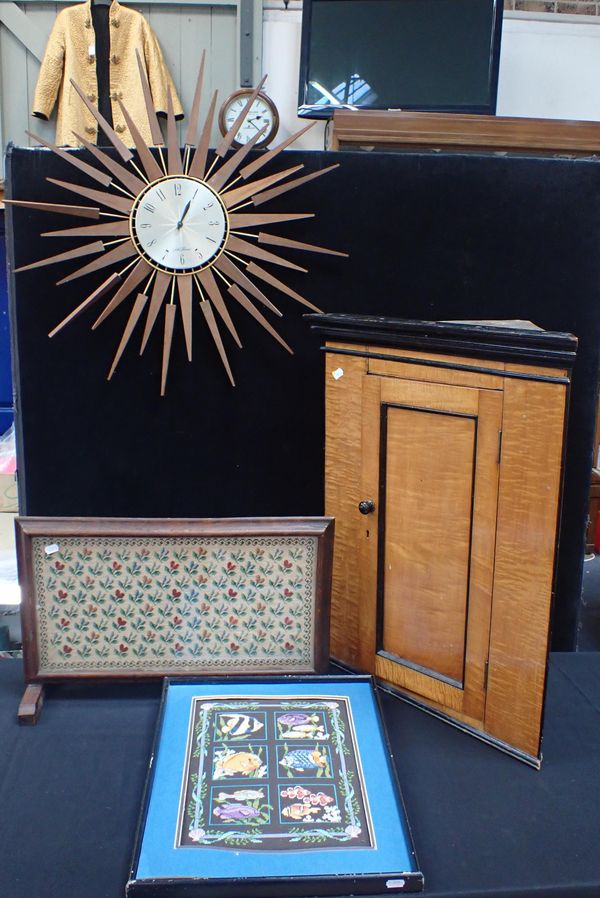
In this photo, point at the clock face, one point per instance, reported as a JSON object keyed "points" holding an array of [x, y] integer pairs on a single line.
{"points": [[261, 113], [179, 224]]}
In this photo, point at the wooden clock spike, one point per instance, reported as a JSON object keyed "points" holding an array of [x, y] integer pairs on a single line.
{"points": [[174, 166], [155, 130], [131, 181], [170, 313], [198, 166], [273, 240], [268, 278], [75, 161], [120, 203], [244, 248], [118, 254], [158, 294], [89, 249], [112, 135], [77, 211], [108, 229], [190, 134], [99, 292], [209, 316], [207, 279], [264, 158], [184, 288], [251, 220], [133, 279], [149, 163], [258, 316], [222, 175], [225, 144], [277, 191], [138, 307], [238, 194], [228, 267]]}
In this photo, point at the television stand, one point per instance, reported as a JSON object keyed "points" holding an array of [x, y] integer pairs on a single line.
{"points": [[404, 130]]}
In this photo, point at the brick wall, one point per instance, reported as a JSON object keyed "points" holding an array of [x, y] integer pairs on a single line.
{"points": [[569, 7]]}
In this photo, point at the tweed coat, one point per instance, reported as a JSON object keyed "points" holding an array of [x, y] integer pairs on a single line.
{"points": [[71, 54]]}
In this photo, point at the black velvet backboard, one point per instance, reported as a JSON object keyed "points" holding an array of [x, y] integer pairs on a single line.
{"points": [[430, 236]]}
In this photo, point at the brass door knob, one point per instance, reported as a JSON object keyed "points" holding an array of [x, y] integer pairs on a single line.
{"points": [[366, 506]]}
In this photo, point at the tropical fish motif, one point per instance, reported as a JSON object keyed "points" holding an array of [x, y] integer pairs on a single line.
{"points": [[308, 797], [239, 725], [306, 731], [244, 762], [297, 717], [297, 811], [301, 759], [235, 811], [241, 795]]}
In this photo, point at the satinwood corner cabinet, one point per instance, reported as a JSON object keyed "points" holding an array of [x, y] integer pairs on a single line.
{"points": [[444, 449]]}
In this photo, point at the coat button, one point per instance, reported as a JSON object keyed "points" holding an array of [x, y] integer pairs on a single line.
{"points": [[87, 23], [90, 129], [114, 95], [114, 23], [120, 128], [114, 58], [91, 97]]}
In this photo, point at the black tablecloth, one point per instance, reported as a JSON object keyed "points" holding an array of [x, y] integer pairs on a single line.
{"points": [[483, 823]]}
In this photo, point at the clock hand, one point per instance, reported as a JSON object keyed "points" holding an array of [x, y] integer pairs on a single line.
{"points": [[185, 212]]}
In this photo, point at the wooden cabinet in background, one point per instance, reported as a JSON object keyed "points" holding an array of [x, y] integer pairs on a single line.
{"points": [[444, 447]]}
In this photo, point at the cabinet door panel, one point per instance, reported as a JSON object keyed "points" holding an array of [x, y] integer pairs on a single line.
{"points": [[426, 544], [430, 459]]}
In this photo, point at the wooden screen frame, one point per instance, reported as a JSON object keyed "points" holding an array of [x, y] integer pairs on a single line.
{"points": [[29, 528]]}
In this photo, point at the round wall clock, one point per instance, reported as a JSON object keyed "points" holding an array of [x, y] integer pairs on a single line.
{"points": [[177, 227], [261, 113]]}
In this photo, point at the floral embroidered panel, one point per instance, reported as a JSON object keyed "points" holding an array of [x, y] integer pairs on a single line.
{"points": [[175, 604], [273, 773]]}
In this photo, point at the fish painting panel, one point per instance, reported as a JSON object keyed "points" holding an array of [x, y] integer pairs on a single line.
{"points": [[281, 773]]}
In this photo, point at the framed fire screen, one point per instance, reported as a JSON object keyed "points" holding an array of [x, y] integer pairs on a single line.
{"points": [[272, 786], [127, 598]]}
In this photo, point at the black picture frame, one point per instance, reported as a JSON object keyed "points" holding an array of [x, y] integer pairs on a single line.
{"points": [[264, 885]]}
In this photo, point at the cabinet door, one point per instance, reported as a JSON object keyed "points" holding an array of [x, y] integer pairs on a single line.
{"points": [[430, 461]]}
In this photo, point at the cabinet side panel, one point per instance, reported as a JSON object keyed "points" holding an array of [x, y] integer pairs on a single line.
{"points": [[530, 477], [342, 478]]}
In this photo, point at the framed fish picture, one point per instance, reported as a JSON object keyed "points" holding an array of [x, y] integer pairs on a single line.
{"points": [[128, 598], [279, 786]]}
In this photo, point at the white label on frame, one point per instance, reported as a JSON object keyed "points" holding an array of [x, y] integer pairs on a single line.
{"points": [[339, 372], [51, 549], [395, 883]]}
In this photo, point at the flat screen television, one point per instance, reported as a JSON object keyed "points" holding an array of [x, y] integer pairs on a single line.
{"points": [[431, 55]]}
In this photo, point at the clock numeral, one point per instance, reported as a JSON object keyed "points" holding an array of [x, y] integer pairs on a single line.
{"points": [[149, 207], [213, 224], [177, 189], [166, 254], [152, 242], [146, 224], [210, 205], [196, 250], [194, 196], [182, 260], [160, 193], [211, 239]]}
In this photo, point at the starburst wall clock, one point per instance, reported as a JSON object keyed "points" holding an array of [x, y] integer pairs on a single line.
{"points": [[178, 228]]}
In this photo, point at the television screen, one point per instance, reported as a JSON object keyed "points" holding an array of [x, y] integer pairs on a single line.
{"points": [[437, 55]]}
